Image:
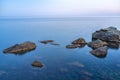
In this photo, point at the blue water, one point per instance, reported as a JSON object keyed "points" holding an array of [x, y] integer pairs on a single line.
{"points": [[59, 62]]}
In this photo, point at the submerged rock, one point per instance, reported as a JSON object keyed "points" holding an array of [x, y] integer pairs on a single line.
{"points": [[55, 44], [96, 44], [110, 34], [37, 64], [21, 48], [71, 46], [100, 52], [79, 41], [46, 41], [76, 64]]}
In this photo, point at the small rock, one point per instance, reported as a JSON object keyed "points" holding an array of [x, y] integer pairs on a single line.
{"points": [[100, 52], [37, 64], [21, 48], [79, 41], [96, 44], [71, 46], [46, 41]]}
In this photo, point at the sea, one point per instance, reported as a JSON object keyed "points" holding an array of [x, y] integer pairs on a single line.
{"points": [[60, 63]]}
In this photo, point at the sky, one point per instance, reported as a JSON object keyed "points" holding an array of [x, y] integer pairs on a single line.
{"points": [[59, 8]]}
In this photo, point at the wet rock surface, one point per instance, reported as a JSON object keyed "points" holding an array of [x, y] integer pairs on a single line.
{"points": [[21, 48], [46, 41], [78, 43], [110, 34], [37, 64], [96, 44], [71, 46], [100, 52]]}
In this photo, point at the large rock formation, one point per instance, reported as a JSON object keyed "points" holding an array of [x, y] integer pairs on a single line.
{"points": [[21, 48], [110, 34]]}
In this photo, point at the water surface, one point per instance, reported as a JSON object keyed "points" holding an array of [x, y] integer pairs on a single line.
{"points": [[59, 63]]}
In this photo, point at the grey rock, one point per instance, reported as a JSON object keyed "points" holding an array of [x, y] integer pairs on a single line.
{"points": [[110, 34], [71, 46], [37, 64], [21, 48], [46, 41], [100, 52], [113, 45], [96, 44]]}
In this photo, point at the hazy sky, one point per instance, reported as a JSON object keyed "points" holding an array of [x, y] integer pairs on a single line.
{"points": [[59, 8]]}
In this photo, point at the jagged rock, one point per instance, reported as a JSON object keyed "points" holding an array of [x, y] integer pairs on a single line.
{"points": [[79, 41], [114, 45], [96, 44], [21, 48], [100, 52], [46, 41], [110, 34], [37, 64]]}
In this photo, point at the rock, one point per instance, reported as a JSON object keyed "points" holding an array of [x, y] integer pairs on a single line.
{"points": [[96, 44], [71, 46], [21, 48], [110, 34], [100, 52], [114, 45], [79, 41], [37, 64], [46, 41]]}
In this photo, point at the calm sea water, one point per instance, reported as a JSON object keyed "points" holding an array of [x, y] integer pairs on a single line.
{"points": [[59, 63]]}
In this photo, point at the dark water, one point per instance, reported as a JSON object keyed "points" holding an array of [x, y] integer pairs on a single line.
{"points": [[59, 63]]}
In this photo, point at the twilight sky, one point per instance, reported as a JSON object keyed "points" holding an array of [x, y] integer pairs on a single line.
{"points": [[59, 8]]}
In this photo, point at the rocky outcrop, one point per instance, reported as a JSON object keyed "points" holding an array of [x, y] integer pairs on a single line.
{"points": [[103, 38], [21, 48], [100, 52], [37, 64], [110, 34], [78, 43], [96, 44]]}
